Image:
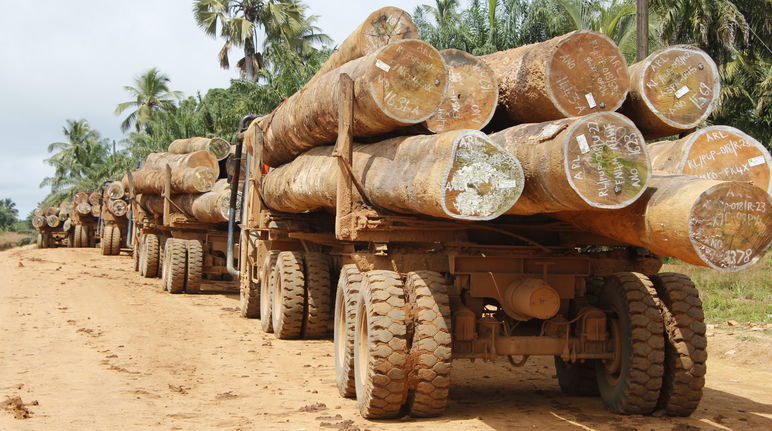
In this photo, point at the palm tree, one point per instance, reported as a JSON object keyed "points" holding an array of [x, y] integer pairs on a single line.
{"points": [[150, 94]]}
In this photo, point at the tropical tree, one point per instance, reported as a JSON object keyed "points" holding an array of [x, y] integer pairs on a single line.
{"points": [[150, 94], [8, 213]]}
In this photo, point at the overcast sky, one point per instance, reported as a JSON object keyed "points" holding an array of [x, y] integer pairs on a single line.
{"points": [[70, 59]]}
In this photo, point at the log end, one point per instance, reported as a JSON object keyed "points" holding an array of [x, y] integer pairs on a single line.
{"points": [[94, 198], [407, 80], [384, 26], [472, 94], [115, 190], [483, 180], [730, 226], [606, 160], [726, 153], [586, 73], [118, 207], [203, 179], [220, 148], [677, 86], [84, 208]]}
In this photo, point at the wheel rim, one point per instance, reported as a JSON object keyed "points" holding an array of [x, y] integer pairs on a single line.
{"points": [[340, 330], [613, 367], [277, 303], [363, 353]]}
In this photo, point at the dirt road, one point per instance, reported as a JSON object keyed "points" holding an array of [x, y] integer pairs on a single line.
{"points": [[88, 344]]}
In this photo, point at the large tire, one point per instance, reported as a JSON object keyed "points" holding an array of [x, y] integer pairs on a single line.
{"points": [[76, 242], [249, 290], [85, 236], [70, 239], [106, 244], [195, 264], [115, 245], [288, 289], [685, 344], [149, 259], [266, 295], [135, 256], [175, 260], [576, 379], [431, 346], [346, 296], [318, 318], [631, 383], [380, 346], [39, 241]]}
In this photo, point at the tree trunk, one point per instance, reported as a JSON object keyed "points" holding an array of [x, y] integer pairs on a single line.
{"points": [[715, 153], [115, 190], [672, 90], [217, 146], [210, 207], [399, 85], [571, 75], [581, 163], [118, 207], [80, 197], [189, 160], [724, 225], [184, 180], [38, 221], [94, 198], [96, 210], [52, 211], [472, 94], [53, 221], [65, 209], [457, 175], [382, 27], [83, 208]]}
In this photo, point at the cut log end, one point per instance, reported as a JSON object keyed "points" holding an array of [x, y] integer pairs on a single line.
{"points": [[731, 226], [672, 90], [67, 225], [52, 221], [385, 26], [115, 190], [80, 197], [83, 208], [483, 180], [94, 198], [606, 160], [586, 73], [203, 179], [118, 207], [408, 80], [472, 94]]}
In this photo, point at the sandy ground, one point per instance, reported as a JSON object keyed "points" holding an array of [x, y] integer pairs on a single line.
{"points": [[86, 344]]}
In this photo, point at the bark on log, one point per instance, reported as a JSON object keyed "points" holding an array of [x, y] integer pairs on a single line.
{"points": [[672, 90], [582, 163], [53, 221], [80, 197], [118, 207], [94, 198], [724, 225], [190, 160], [382, 27], [715, 153], [472, 95], [83, 208], [38, 211], [457, 175], [115, 190], [571, 75], [184, 180], [210, 207], [399, 85], [65, 209], [52, 211], [217, 146], [96, 210]]}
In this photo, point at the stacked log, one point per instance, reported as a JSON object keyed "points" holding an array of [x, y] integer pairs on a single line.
{"points": [[458, 175], [38, 221], [571, 75], [65, 209], [715, 153], [399, 85], [96, 210], [80, 197], [117, 207], [196, 179], [209, 207], [218, 147], [52, 220], [115, 190], [724, 225], [83, 208], [94, 198], [672, 90]]}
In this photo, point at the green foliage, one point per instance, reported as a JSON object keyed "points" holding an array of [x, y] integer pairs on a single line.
{"points": [[8, 213], [150, 94]]}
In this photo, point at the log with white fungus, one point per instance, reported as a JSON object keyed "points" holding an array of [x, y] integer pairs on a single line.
{"points": [[118, 207], [457, 175], [53, 220], [715, 153], [217, 146], [672, 90], [571, 75], [598, 161], [396, 86], [724, 225]]}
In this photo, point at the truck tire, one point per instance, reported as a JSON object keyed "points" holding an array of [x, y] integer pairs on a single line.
{"points": [[106, 244], [195, 264], [289, 292], [75, 235], [70, 239], [249, 290], [149, 257], [576, 379], [630, 384], [431, 344], [85, 236], [46, 240], [346, 295], [135, 256], [115, 245], [685, 344], [175, 262], [380, 345], [318, 316], [39, 241], [266, 296]]}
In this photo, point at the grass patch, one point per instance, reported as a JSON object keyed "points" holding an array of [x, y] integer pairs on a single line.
{"points": [[744, 296], [12, 239]]}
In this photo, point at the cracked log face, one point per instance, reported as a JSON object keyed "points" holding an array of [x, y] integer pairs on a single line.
{"points": [[472, 94], [599, 161], [571, 75], [672, 90], [715, 153]]}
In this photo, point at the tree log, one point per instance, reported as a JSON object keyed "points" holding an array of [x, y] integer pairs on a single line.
{"points": [[94, 198], [118, 207], [83, 208], [38, 221], [184, 180], [382, 27], [115, 190], [53, 220], [52, 211], [217, 146], [96, 210], [457, 175], [472, 94], [715, 153], [672, 90], [571, 75], [399, 85], [210, 207], [724, 225], [65, 209], [80, 197], [67, 225], [189, 160], [582, 163]]}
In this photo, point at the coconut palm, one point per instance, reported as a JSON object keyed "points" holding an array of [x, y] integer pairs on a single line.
{"points": [[150, 94]]}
